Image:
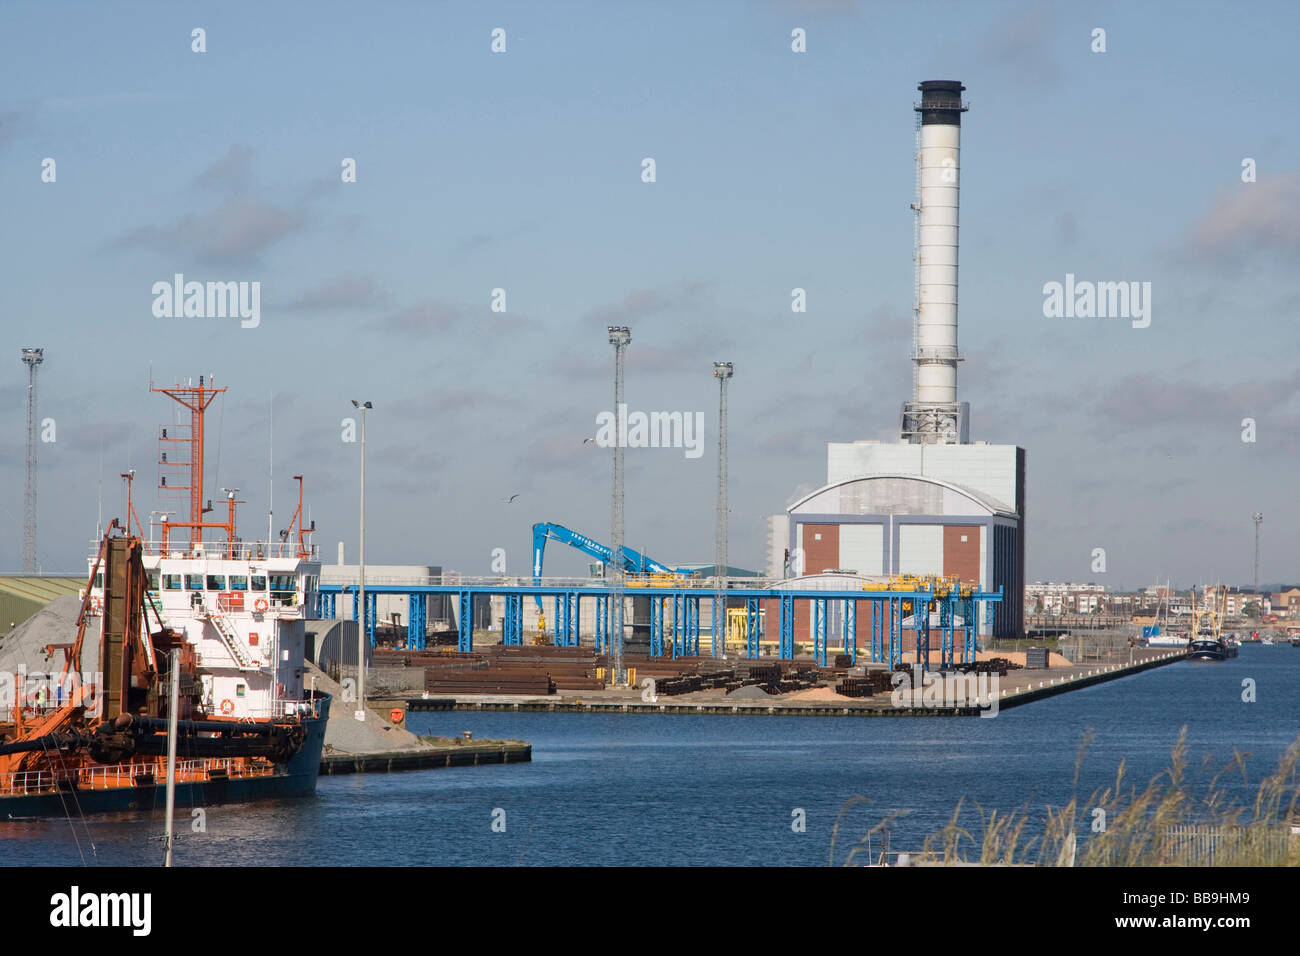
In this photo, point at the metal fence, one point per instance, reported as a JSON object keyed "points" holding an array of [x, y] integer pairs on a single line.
{"points": [[1213, 844]]}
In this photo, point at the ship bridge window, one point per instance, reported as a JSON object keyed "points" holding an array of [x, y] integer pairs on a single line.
{"points": [[216, 582], [283, 589], [239, 582], [259, 582], [99, 579], [194, 582], [171, 582], [153, 580]]}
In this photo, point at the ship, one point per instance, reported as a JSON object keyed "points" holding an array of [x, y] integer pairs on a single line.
{"points": [[221, 620], [1208, 642]]}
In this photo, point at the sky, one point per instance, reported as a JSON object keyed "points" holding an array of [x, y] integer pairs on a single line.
{"points": [[522, 171]]}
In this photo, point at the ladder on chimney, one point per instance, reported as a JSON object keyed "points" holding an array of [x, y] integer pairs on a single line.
{"points": [[916, 264]]}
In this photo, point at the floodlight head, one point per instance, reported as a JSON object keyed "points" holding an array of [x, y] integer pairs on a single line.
{"points": [[723, 369], [619, 335]]}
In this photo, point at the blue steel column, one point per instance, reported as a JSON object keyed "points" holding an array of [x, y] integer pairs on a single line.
{"points": [[465, 629], [656, 627], [370, 617], [851, 630], [968, 625], [719, 640], [571, 619], [752, 631], [877, 631], [514, 626], [327, 606], [412, 612], [693, 624], [922, 634], [945, 631], [679, 625], [895, 632], [819, 630], [416, 618], [786, 650], [356, 607], [602, 624]]}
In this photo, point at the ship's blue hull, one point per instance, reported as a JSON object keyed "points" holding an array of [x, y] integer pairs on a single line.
{"points": [[1208, 651], [297, 778]]}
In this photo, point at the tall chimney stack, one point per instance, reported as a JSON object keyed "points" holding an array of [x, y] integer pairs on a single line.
{"points": [[934, 416]]}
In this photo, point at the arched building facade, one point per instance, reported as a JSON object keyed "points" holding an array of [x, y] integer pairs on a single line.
{"points": [[884, 523]]}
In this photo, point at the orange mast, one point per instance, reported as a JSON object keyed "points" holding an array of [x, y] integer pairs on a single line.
{"points": [[297, 518], [196, 399]]}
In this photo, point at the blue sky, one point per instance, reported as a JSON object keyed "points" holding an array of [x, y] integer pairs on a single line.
{"points": [[775, 170]]}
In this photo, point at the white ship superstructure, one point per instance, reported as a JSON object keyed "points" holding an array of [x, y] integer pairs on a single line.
{"points": [[240, 605], [242, 608]]}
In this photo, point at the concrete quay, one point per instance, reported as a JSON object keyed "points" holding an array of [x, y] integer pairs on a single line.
{"points": [[451, 753], [1019, 687]]}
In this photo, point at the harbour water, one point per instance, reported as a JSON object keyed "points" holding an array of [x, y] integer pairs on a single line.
{"points": [[647, 790]]}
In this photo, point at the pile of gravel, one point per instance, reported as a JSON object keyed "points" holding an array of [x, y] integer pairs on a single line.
{"points": [[749, 692], [56, 623], [345, 734]]}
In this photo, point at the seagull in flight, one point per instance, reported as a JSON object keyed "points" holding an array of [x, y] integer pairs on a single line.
{"points": [[511, 498]]}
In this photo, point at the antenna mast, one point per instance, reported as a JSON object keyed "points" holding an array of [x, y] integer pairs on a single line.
{"points": [[31, 358], [196, 399]]}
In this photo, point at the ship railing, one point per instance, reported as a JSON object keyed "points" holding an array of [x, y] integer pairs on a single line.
{"points": [[115, 776], [295, 708], [222, 550], [280, 707]]}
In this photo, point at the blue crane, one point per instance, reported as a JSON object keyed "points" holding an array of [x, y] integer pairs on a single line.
{"points": [[634, 562]]}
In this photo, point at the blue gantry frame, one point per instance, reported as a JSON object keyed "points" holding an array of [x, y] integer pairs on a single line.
{"points": [[890, 614]]}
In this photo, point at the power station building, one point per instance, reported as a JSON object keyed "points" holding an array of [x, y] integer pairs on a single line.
{"points": [[934, 503]]}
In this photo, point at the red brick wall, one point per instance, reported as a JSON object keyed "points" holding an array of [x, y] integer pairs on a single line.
{"points": [[962, 557], [820, 555]]}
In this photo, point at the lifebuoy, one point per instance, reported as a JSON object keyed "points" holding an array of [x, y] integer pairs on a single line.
{"points": [[227, 706], [395, 715], [260, 605], [95, 606]]}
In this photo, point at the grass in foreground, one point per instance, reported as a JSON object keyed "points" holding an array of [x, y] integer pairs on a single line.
{"points": [[1162, 825]]}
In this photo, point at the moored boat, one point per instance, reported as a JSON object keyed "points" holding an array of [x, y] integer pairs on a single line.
{"points": [[95, 738], [1209, 642], [1207, 649]]}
